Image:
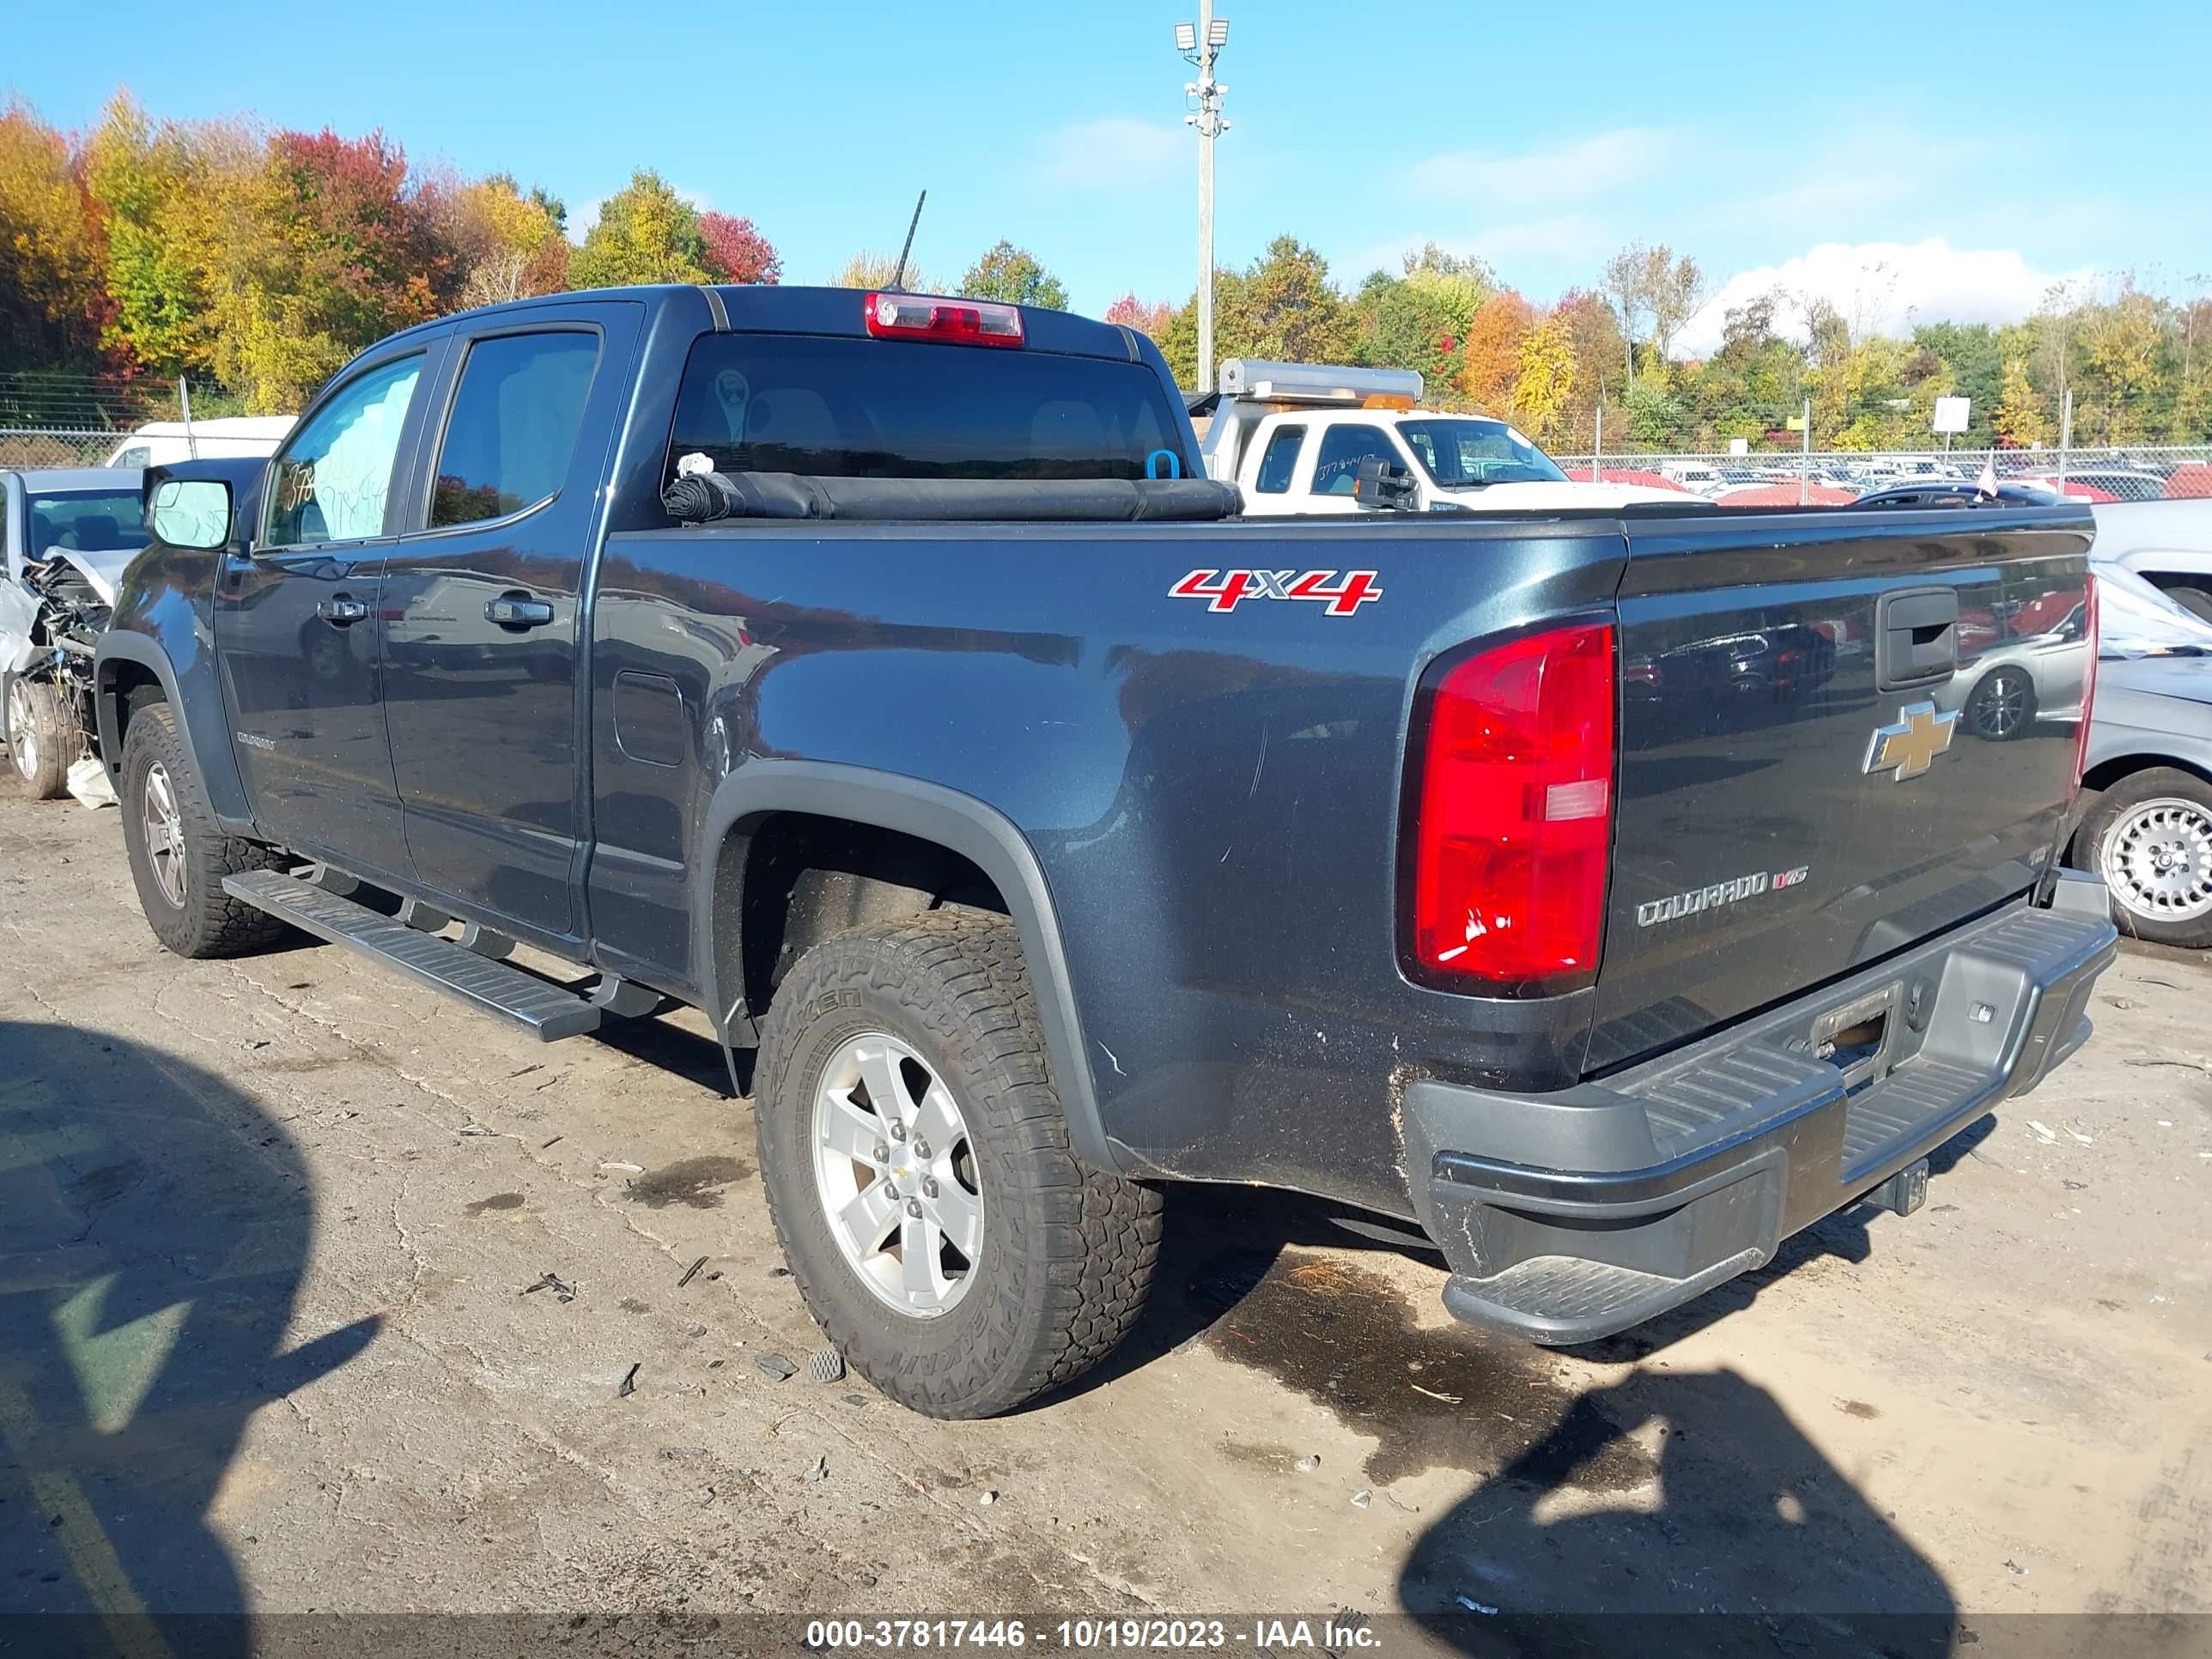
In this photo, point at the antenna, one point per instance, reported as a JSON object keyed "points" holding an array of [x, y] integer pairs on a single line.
{"points": [[898, 272]]}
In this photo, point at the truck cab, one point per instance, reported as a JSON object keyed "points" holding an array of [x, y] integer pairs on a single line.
{"points": [[1295, 436]]}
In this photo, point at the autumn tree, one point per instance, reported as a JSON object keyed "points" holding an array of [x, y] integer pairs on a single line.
{"points": [[53, 292], [1130, 312], [1491, 360], [875, 271], [1015, 276], [735, 252], [2121, 342], [509, 245], [152, 189], [1283, 308], [1544, 381], [2019, 421], [645, 232]]}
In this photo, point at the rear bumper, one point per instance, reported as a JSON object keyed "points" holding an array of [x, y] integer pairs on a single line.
{"points": [[1570, 1216]]}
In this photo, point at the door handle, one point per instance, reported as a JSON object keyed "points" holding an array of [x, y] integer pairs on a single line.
{"points": [[341, 611], [517, 611]]}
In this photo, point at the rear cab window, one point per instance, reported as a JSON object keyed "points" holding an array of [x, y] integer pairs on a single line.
{"points": [[845, 408], [1280, 461]]}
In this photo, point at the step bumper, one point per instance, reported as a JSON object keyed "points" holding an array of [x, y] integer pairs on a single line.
{"points": [[1569, 1217]]}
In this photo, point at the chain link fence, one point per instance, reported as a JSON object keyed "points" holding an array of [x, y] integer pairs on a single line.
{"points": [[1834, 477], [24, 447]]}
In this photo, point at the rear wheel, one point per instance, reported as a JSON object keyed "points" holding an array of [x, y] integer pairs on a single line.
{"points": [[39, 739], [2150, 838], [918, 1171], [178, 853], [2002, 706]]}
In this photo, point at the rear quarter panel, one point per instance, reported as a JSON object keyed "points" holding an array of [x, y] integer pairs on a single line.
{"points": [[1212, 796]]}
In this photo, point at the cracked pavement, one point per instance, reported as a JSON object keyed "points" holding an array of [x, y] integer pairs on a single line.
{"points": [[268, 1230]]}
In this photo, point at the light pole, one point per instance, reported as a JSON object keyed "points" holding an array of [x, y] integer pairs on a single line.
{"points": [[1199, 46]]}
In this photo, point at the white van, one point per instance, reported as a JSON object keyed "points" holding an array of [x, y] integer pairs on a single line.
{"points": [[158, 443]]}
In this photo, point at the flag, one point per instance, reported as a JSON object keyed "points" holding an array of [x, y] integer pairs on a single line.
{"points": [[1987, 483]]}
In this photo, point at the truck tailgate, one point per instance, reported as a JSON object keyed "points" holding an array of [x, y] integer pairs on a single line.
{"points": [[1807, 784]]}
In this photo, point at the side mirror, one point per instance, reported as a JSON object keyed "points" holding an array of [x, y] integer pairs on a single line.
{"points": [[1385, 486], [189, 513]]}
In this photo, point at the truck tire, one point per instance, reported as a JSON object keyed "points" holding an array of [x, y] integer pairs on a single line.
{"points": [[179, 854], [2002, 706], [41, 741], [1032, 1265], [2150, 837]]}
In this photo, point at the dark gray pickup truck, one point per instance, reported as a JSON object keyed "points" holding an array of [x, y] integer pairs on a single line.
{"points": [[1599, 899]]}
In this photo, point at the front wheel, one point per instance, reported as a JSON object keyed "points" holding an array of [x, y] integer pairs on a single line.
{"points": [[2150, 838], [178, 852], [37, 736], [918, 1171]]}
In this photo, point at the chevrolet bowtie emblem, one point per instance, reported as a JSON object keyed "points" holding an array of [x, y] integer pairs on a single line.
{"points": [[1910, 747]]}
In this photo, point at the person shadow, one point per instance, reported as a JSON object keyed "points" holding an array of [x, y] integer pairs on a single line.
{"points": [[155, 1225], [1744, 1539]]}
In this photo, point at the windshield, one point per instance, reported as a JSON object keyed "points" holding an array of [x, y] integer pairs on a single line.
{"points": [[106, 522], [1467, 454]]}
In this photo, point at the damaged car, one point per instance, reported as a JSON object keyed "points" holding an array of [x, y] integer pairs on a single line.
{"points": [[69, 533]]}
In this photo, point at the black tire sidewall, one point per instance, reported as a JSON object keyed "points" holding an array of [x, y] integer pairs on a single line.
{"points": [[945, 1366], [152, 739], [2123, 797]]}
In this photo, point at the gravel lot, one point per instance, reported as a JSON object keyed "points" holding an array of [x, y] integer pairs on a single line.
{"points": [[269, 1232]]}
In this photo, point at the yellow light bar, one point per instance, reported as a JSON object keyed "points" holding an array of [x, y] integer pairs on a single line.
{"points": [[1386, 400]]}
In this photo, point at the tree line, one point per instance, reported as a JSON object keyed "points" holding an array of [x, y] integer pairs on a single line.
{"points": [[144, 250]]}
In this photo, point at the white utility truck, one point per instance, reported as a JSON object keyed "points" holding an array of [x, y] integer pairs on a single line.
{"points": [[1305, 438]]}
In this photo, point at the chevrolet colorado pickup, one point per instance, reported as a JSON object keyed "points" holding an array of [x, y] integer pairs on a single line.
{"points": [[1596, 900]]}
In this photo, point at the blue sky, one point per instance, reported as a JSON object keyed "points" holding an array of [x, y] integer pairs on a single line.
{"points": [[1908, 158]]}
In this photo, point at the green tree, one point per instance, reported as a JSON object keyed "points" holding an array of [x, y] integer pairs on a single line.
{"points": [[1013, 274], [1420, 321], [1284, 309], [646, 234], [145, 180], [2121, 342], [1977, 366]]}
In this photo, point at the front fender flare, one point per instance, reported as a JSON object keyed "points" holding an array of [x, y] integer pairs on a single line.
{"points": [[927, 811], [218, 764]]}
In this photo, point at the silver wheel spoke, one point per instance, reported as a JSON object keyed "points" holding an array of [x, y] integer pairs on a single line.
{"points": [[918, 1261], [866, 1220], [937, 1121], [879, 1070], [844, 1127], [959, 1215]]}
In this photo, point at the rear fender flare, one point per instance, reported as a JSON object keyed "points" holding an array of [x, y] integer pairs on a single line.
{"points": [[959, 822]]}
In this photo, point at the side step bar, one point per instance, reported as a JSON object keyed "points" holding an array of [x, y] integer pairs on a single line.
{"points": [[547, 1011]]}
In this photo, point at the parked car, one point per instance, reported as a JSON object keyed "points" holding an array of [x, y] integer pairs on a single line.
{"points": [[1295, 437], [158, 443], [1048, 837], [2168, 542], [2144, 820], [69, 533]]}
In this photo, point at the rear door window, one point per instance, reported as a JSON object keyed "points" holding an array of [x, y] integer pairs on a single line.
{"points": [[833, 407], [1280, 461], [513, 432]]}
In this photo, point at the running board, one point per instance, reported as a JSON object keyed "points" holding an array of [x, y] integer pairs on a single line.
{"points": [[546, 1011]]}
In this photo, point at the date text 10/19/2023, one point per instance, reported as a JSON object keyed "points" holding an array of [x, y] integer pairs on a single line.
{"points": [[1085, 1635]]}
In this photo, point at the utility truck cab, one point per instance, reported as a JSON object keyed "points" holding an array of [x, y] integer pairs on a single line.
{"points": [[1320, 438]]}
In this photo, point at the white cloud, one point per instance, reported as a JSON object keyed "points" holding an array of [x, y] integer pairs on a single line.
{"points": [[1113, 154], [1887, 287], [1579, 171]]}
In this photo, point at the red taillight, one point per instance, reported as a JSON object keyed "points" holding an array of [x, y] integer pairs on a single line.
{"points": [[955, 322], [2088, 678], [1513, 834]]}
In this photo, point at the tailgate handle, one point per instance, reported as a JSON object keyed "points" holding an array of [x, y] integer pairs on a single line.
{"points": [[1917, 637]]}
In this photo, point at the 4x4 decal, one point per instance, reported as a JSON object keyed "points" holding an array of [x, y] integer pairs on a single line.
{"points": [[1225, 590]]}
